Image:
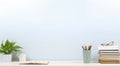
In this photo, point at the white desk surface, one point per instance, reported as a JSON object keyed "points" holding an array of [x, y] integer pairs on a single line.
{"points": [[60, 64]]}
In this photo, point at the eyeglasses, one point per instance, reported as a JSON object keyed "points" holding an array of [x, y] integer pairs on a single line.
{"points": [[108, 44]]}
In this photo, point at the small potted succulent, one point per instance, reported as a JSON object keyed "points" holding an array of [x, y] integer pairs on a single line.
{"points": [[7, 48]]}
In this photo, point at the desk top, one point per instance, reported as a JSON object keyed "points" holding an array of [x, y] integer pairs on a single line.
{"points": [[60, 64]]}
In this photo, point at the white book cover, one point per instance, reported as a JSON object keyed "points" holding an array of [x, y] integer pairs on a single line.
{"points": [[108, 48]]}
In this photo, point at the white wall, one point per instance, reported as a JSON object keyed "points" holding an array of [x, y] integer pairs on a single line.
{"points": [[56, 29]]}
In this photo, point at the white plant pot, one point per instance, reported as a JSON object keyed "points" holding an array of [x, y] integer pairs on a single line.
{"points": [[6, 58]]}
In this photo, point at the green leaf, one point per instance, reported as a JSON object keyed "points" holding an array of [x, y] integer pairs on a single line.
{"points": [[9, 47]]}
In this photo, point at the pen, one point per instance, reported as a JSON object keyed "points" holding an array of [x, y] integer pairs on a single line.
{"points": [[83, 48], [87, 47]]}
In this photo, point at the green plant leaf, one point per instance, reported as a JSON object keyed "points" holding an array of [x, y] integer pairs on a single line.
{"points": [[9, 47]]}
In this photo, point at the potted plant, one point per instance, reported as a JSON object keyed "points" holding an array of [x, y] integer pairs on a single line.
{"points": [[7, 48]]}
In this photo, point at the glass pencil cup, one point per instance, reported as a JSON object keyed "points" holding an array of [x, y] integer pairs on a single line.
{"points": [[86, 56]]}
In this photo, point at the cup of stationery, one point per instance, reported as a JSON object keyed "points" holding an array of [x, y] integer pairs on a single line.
{"points": [[87, 54]]}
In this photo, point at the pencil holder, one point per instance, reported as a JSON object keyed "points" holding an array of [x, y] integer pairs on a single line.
{"points": [[86, 56]]}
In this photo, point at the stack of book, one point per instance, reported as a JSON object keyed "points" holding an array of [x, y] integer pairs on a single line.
{"points": [[108, 54]]}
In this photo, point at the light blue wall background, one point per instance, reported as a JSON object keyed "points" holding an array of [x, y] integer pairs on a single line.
{"points": [[56, 29]]}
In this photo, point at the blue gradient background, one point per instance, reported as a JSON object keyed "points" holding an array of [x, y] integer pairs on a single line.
{"points": [[56, 29]]}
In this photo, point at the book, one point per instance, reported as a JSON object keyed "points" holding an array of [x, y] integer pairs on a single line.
{"points": [[108, 48], [34, 63], [108, 54]]}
